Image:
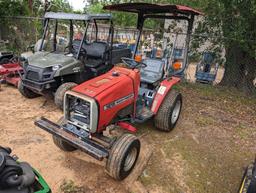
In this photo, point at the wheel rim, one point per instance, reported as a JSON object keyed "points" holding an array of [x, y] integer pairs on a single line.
{"points": [[176, 112], [130, 159]]}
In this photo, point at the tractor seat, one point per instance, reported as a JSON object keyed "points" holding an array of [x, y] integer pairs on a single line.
{"points": [[208, 59], [153, 72], [96, 54]]}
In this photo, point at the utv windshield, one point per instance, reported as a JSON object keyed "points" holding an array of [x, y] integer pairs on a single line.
{"points": [[67, 33], [59, 33]]}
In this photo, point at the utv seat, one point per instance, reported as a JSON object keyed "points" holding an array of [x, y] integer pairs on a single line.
{"points": [[153, 72], [96, 54]]}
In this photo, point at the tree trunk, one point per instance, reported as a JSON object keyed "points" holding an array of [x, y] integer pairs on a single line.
{"points": [[240, 69]]}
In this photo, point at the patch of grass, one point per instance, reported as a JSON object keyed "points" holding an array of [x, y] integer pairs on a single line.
{"points": [[244, 132], [70, 187], [209, 90], [203, 121]]}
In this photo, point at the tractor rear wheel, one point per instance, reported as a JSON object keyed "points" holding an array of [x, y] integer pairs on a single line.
{"points": [[60, 143], [123, 156], [60, 93], [169, 111], [26, 92]]}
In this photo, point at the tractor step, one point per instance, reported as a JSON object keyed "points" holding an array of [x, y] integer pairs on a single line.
{"points": [[87, 145], [143, 114]]}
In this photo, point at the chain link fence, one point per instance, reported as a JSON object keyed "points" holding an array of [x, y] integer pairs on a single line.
{"points": [[21, 32]]}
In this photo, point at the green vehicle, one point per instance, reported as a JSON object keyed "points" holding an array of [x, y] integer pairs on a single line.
{"points": [[19, 177], [65, 60]]}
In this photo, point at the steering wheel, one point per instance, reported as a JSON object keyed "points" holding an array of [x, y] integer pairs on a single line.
{"points": [[131, 63], [74, 50]]}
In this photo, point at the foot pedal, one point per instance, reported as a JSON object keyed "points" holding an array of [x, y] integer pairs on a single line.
{"points": [[143, 114]]}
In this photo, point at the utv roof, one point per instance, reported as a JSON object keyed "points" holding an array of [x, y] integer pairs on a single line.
{"points": [[74, 16], [148, 8]]}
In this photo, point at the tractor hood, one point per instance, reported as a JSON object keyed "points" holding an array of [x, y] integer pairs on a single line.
{"points": [[113, 92], [115, 80], [47, 59]]}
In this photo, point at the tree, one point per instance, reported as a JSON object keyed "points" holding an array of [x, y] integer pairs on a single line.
{"points": [[233, 22]]}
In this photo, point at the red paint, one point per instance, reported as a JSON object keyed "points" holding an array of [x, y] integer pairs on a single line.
{"points": [[108, 88], [159, 98], [127, 126], [10, 73]]}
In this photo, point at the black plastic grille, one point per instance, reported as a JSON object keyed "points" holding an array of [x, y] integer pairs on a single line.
{"points": [[31, 75]]}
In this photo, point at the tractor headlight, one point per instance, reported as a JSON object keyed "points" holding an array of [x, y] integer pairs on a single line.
{"points": [[56, 67], [81, 111]]}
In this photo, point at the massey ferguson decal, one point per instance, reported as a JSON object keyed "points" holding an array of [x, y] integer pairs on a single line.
{"points": [[118, 101]]}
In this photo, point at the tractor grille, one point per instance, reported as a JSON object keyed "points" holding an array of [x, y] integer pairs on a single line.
{"points": [[79, 111], [31, 75]]}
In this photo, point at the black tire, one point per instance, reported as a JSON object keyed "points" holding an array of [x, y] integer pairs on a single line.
{"points": [[60, 143], [26, 92], [123, 156], [163, 119], [60, 93], [63, 145]]}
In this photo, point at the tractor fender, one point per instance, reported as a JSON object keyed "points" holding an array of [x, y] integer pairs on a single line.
{"points": [[164, 88]]}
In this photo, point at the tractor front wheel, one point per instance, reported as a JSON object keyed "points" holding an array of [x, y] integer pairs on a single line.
{"points": [[26, 92], [169, 111], [60, 143], [123, 156], [63, 145], [60, 93]]}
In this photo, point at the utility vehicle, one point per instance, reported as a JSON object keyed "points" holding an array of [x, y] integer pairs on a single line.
{"points": [[68, 62], [19, 177], [135, 93]]}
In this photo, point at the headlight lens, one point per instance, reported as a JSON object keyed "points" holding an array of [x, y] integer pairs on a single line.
{"points": [[56, 67], [25, 64]]}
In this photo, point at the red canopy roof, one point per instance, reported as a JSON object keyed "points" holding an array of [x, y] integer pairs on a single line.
{"points": [[148, 8]]}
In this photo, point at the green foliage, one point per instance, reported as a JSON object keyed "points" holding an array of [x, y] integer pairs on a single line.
{"points": [[60, 5], [13, 8], [120, 18]]}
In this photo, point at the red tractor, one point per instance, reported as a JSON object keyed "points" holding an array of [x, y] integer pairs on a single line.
{"points": [[140, 91]]}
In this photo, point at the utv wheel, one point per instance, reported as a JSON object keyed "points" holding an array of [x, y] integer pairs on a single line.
{"points": [[59, 95], [123, 156], [26, 92], [169, 111], [60, 143]]}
